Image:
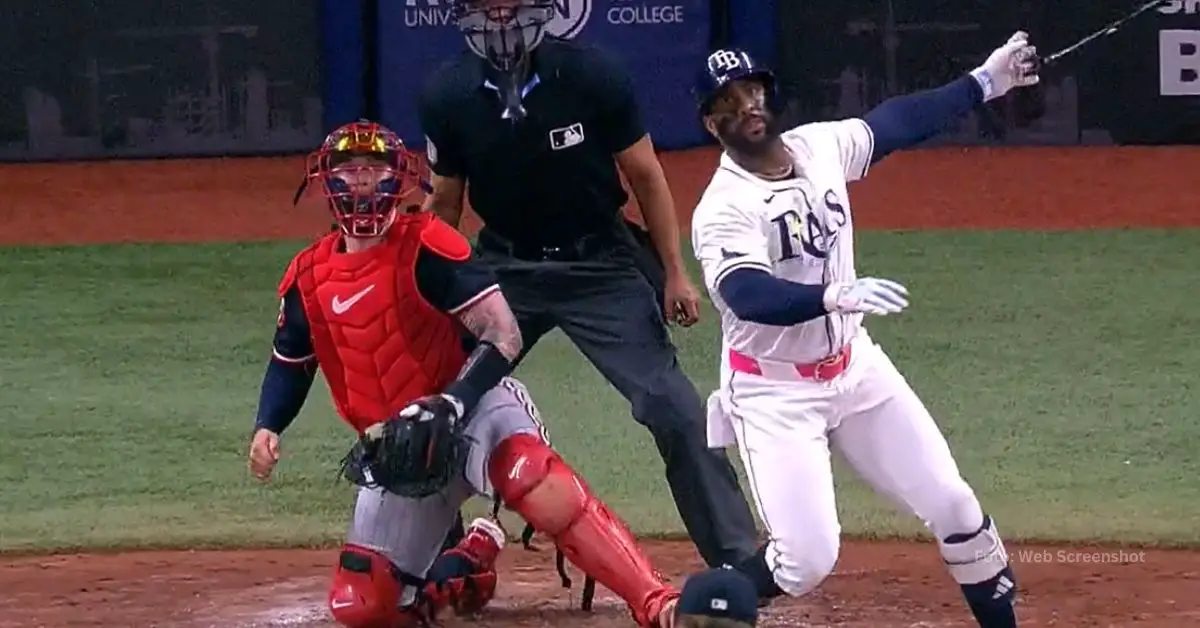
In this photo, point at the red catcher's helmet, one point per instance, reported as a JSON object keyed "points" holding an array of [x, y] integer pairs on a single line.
{"points": [[365, 172]]}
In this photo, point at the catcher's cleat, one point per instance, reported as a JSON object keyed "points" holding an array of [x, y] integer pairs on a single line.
{"points": [[482, 543], [464, 577]]}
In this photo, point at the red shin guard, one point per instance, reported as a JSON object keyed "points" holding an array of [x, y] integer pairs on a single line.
{"points": [[533, 481]]}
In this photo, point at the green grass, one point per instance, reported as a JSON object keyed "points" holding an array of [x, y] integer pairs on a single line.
{"points": [[1060, 366]]}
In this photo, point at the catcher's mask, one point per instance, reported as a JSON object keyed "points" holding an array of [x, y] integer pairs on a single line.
{"points": [[365, 172], [505, 33]]}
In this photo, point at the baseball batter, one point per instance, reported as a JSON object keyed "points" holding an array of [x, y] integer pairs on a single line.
{"points": [[800, 375], [382, 305]]}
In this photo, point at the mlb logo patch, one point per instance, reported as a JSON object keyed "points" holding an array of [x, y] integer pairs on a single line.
{"points": [[566, 136]]}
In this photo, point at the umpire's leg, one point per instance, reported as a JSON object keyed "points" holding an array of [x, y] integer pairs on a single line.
{"points": [[615, 321]]}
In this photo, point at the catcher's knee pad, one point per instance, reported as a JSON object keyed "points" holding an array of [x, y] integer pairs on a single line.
{"points": [[369, 592], [532, 479], [464, 577]]}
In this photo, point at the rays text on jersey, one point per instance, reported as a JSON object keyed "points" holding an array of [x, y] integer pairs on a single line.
{"points": [[812, 233]]}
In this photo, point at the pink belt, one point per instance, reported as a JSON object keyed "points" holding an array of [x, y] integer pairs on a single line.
{"points": [[822, 371]]}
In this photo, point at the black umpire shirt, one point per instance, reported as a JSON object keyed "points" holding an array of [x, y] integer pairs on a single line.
{"points": [[550, 178]]}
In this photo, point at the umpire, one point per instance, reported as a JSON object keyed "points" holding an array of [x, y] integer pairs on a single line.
{"points": [[529, 126]]}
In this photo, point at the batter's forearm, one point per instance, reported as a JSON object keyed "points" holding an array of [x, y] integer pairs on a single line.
{"points": [[285, 387], [904, 121], [757, 296], [658, 208]]}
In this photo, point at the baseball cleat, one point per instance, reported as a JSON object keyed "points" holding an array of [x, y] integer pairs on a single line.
{"points": [[464, 577], [482, 543]]}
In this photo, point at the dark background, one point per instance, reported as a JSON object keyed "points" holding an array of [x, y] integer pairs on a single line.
{"points": [[144, 78], [1108, 92]]}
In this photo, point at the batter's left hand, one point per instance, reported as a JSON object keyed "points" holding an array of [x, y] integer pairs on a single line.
{"points": [[682, 300]]}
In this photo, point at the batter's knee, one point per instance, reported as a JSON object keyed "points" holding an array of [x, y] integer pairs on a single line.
{"points": [[799, 568], [369, 592], [953, 509], [976, 556], [533, 479]]}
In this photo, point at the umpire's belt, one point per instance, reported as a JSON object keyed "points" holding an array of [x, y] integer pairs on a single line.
{"points": [[570, 251], [821, 371]]}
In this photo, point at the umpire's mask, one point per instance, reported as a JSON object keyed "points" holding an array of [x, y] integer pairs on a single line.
{"points": [[505, 32]]}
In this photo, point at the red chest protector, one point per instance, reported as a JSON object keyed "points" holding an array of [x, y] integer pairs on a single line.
{"points": [[379, 344]]}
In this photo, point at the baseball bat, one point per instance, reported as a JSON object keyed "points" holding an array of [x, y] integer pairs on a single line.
{"points": [[1107, 30]]}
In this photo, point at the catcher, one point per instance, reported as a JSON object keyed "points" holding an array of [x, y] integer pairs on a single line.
{"points": [[416, 342]]}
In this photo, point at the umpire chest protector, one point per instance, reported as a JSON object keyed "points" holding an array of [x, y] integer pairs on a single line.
{"points": [[551, 172], [379, 344]]}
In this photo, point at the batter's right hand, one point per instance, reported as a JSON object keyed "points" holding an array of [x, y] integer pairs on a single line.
{"points": [[264, 453], [867, 296]]}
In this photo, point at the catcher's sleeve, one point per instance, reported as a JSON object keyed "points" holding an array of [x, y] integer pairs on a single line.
{"points": [[449, 275], [453, 280], [291, 369]]}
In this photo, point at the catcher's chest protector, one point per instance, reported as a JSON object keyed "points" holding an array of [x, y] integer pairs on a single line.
{"points": [[379, 343]]}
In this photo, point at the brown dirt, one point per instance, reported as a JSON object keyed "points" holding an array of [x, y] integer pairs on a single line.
{"points": [[877, 584], [247, 199]]}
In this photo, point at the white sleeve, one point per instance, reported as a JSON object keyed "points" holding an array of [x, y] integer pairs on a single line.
{"points": [[725, 239], [855, 145]]}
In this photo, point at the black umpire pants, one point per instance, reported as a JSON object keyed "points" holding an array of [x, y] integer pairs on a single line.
{"points": [[610, 311]]}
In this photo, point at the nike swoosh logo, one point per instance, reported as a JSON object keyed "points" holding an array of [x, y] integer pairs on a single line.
{"points": [[340, 307], [340, 604]]}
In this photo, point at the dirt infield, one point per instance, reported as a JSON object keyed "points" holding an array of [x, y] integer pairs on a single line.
{"points": [[877, 585]]}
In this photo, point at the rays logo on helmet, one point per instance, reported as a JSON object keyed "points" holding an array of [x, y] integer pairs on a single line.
{"points": [[724, 61], [570, 16]]}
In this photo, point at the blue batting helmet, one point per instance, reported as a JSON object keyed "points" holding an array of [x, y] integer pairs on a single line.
{"points": [[724, 66]]}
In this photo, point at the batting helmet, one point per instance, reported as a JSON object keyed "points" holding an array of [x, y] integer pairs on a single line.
{"points": [[724, 66]]}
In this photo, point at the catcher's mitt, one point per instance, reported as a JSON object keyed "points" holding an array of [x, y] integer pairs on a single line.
{"points": [[414, 454]]}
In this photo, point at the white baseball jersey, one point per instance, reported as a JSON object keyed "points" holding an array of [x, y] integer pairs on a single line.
{"points": [[797, 229]]}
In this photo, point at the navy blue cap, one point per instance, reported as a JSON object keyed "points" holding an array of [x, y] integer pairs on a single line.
{"points": [[721, 592]]}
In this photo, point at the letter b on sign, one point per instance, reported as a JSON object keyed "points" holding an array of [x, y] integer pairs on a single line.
{"points": [[1179, 63]]}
